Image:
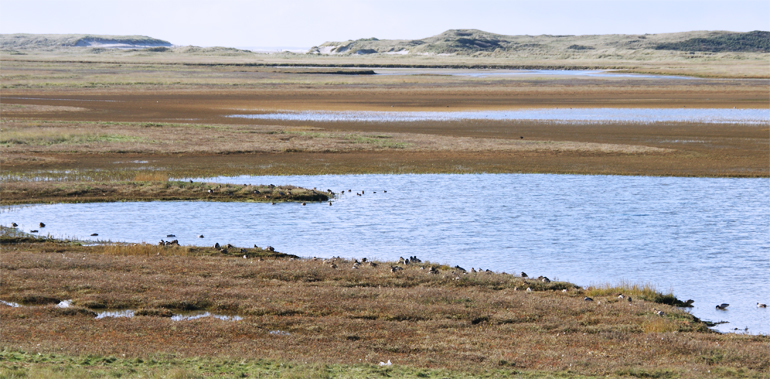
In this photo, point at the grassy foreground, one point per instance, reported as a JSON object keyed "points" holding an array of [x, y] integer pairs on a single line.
{"points": [[335, 318]]}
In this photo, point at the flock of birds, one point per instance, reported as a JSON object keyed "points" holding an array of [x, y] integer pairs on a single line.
{"points": [[721, 307]]}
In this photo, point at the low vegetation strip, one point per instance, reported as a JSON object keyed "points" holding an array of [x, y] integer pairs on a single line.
{"points": [[335, 318], [151, 187]]}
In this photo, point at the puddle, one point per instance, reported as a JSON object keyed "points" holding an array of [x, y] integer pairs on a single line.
{"points": [[556, 115], [115, 314], [188, 317], [129, 313]]}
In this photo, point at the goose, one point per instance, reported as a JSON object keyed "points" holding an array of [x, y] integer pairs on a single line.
{"points": [[330, 203], [200, 235], [42, 225], [529, 289], [216, 245], [587, 299], [659, 312], [723, 306], [304, 204], [94, 234], [385, 191], [14, 224], [621, 296], [170, 236], [689, 302], [33, 231], [759, 305], [523, 274]]}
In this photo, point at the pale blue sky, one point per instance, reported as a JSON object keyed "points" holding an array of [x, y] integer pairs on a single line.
{"points": [[311, 22]]}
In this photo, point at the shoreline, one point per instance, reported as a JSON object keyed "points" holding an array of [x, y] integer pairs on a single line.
{"points": [[406, 313]]}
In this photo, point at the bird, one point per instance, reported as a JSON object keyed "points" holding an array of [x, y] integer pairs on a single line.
{"points": [[621, 297], [330, 203], [216, 245], [304, 203], [94, 234], [191, 181], [14, 224], [523, 274], [42, 225], [385, 191], [200, 235], [689, 302], [723, 306], [659, 312], [759, 305], [33, 231], [170, 236], [529, 289], [587, 299]]}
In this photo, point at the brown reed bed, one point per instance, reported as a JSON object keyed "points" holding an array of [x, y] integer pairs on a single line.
{"points": [[337, 312]]}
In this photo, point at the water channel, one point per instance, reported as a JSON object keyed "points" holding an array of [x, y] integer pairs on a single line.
{"points": [[706, 239]]}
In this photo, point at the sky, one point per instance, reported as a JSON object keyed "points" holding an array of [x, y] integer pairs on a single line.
{"points": [[306, 23]]}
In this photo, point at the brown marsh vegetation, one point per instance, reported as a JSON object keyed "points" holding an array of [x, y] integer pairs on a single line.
{"points": [[150, 187], [335, 311]]}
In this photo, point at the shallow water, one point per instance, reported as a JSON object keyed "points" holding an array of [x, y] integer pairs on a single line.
{"points": [[558, 115], [476, 73], [705, 239]]}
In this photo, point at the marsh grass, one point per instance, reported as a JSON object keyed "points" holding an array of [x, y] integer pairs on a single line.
{"points": [[150, 186], [330, 314]]}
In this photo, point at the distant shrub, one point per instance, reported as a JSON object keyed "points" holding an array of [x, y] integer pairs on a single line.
{"points": [[756, 41], [580, 47]]}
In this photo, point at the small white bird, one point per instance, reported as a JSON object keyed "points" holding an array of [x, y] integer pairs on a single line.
{"points": [[529, 289], [723, 306], [761, 305]]}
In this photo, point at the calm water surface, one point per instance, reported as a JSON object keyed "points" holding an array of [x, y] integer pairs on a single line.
{"points": [[559, 115], [702, 238]]}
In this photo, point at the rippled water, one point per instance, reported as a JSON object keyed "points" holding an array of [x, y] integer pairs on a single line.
{"points": [[561, 115], [705, 239]]}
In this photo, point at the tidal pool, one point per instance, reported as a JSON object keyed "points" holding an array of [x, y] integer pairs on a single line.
{"points": [[706, 239], [556, 115]]}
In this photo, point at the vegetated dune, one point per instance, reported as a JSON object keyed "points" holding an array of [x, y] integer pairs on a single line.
{"points": [[48, 41], [473, 41]]}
